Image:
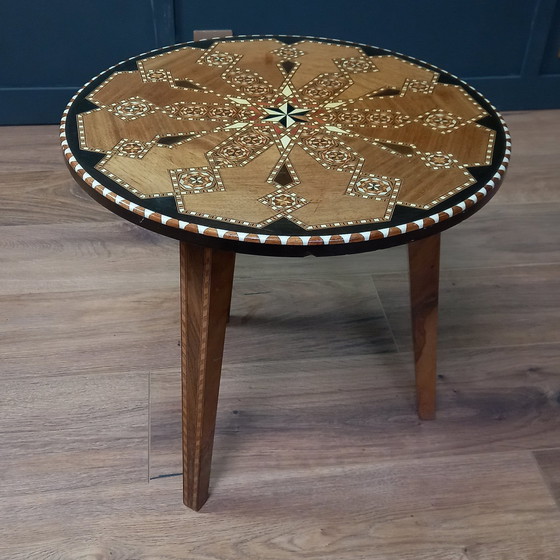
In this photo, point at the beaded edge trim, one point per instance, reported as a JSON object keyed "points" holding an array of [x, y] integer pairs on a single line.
{"points": [[332, 239]]}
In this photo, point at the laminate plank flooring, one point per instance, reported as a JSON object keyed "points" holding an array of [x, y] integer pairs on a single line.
{"points": [[56, 436], [533, 173], [484, 308], [72, 332], [18, 142], [48, 198], [549, 462], [404, 510], [73, 257], [319, 453], [313, 318], [360, 409]]}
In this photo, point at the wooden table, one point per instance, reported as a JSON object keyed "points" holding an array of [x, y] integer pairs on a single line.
{"points": [[284, 146]]}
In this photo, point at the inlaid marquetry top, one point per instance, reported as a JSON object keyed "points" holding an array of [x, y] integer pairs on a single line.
{"points": [[285, 145]]}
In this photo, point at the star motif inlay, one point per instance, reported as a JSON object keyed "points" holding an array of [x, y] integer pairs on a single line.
{"points": [[285, 114], [323, 144]]}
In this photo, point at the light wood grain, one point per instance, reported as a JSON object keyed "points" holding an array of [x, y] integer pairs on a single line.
{"points": [[238, 139]]}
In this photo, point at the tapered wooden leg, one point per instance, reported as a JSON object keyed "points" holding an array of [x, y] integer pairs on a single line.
{"points": [[206, 282], [230, 292], [423, 258]]}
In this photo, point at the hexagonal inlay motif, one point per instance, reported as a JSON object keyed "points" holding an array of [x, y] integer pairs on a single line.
{"points": [[344, 137]]}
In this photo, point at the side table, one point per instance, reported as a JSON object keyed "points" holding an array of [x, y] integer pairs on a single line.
{"points": [[283, 146]]}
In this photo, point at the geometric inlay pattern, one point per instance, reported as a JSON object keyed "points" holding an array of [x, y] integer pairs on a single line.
{"points": [[252, 131]]}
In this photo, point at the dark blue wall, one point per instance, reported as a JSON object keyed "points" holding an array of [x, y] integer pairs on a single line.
{"points": [[50, 48], [508, 49], [451, 34]]}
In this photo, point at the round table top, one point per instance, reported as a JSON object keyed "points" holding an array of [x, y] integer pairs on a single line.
{"points": [[285, 145]]}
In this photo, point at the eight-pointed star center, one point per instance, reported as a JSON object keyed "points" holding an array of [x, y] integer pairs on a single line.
{"points": [[285, 114]]}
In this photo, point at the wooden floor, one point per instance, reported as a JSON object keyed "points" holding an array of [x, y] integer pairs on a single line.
{"points": [[319, 453]]}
